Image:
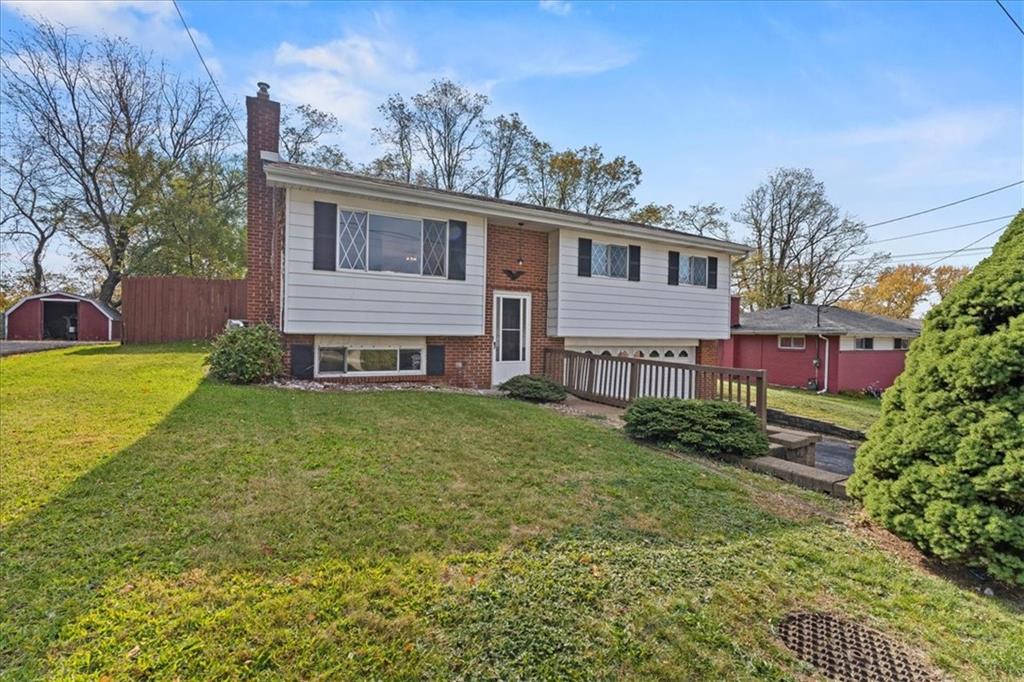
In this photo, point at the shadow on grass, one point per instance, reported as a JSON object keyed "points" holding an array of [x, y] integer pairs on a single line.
{"points": [[142, 349], [261, 484]]}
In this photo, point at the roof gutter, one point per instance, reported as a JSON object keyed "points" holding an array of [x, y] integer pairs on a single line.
{"points": [[281, 175]]}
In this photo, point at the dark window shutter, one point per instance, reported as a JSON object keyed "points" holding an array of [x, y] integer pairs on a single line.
{"points": [[457, 249], [634, 263], [435, 361], [325, 236], [673, 268], [583, 258], [302, 361], [712, 272]]}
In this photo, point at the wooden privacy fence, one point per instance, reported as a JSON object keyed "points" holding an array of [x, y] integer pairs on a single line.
{"points": [[157, 309], [621, 380]]}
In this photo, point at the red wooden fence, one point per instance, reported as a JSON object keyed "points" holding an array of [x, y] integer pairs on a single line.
{"points": [[157, 309]]}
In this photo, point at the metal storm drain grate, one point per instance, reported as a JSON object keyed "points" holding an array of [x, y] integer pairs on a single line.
{"points": [[843, 650]]}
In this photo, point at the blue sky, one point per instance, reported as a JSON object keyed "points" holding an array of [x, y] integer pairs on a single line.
{"points": [[896, 106]]}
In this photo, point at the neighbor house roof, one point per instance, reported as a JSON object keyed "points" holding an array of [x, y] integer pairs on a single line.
{"points": [[286, 173], [800, 318], [105, 309]]}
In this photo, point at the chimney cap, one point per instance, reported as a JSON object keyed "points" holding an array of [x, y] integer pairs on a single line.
{"points": [[264, 90]]}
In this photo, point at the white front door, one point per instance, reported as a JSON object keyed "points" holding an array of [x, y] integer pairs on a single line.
{"points": [[511, 336]]}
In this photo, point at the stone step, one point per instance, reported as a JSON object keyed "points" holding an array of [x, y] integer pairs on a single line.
{"points": [[800, 474], [792, 439]]}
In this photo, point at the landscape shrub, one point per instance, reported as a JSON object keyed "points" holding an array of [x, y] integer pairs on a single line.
{"points": [[943, 466], [708, 427], [247, 355], [536, 389]]}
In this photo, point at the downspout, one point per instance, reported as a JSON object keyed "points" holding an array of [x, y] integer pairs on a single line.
{"points": [[825, 387]]}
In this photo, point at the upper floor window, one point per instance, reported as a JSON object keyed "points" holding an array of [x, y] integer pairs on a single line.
{"points": [[609, 260], [864, 343], [693, 270], [900, 344], [380, 243], [792, 342]]}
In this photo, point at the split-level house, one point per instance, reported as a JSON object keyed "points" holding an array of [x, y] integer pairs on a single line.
{"points": [[375, 280]]}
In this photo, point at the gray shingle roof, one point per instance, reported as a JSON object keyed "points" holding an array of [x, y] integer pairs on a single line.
{"points": [[804, 319]]}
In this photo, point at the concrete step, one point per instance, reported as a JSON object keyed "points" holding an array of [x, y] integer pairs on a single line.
{"points": [[792, 439], [800, 474]]}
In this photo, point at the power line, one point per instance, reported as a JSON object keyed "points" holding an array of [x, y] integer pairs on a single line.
{"points": [[939, 260], [952, 203], [940, 229], [1010, 16], [208, 73], [901, 256]]}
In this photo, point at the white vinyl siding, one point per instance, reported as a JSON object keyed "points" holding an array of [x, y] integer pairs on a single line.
{"points": [[378, 303], [650, 308]]}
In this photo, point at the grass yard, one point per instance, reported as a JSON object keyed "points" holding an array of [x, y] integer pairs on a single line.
{"points": [[849, 411], [158, 525]]}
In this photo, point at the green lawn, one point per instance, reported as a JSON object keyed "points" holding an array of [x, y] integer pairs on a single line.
{"points": [[849, 411], [157, 525]]}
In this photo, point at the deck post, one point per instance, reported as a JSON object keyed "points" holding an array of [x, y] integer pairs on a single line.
{"points": [[762, 400]]}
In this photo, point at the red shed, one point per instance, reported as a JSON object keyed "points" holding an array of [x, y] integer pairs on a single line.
{"points": [[60, 315]]}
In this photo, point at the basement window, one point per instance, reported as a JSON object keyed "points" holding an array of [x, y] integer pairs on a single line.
{"points": [[792, 342], [369, 361]]}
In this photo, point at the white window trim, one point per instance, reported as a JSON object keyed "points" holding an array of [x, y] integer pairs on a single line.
{"points": [[686, 281], [803, 341], [600, 274], [397, 373], [858, 338], [366, 249]]}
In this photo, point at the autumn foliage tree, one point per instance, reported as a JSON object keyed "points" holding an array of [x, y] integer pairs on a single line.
{"points": [[945, 277], [895, 293]]}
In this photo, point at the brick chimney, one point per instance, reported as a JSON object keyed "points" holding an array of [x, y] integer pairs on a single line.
{"points": [[264, 211], [734, 311]]}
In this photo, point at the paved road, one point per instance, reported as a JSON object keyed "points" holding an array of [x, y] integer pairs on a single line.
{"points": [[835, 456], [15, 347]]}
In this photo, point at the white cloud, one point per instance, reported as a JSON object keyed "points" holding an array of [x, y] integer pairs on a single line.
{"points": [[560, 7], [153, 24], [946, 130]]}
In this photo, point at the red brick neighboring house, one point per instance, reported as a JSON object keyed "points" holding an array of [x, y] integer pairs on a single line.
{"points": [[821, 347], [375, 280], [60, 315]]}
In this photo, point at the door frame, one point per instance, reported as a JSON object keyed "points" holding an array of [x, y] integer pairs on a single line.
{"points": [[495, 326]]}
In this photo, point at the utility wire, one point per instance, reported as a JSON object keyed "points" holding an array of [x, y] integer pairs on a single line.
{"points": [[963, 248], [901, 256], [1009, 16], [208, 73], [940, 229], [952, 203]]}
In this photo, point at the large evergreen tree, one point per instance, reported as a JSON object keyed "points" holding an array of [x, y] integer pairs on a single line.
{"points": [[944, 465]]}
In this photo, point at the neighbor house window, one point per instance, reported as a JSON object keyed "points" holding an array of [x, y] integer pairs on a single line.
{"points": [[609, 260], [864, 343], [333, 360], [693, 270], [792, 342], [900, 344], [380, 243]]}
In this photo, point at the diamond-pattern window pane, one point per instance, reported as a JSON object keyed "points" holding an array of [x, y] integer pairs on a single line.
{"points": [[598, 259], [352, 240], [618, 261], [698, 271], [435, 244]]}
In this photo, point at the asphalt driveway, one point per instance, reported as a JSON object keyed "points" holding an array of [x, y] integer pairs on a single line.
{"points": [[835, 456], [16, 347]]}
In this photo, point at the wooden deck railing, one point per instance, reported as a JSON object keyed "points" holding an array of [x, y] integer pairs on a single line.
{"points": [[621, 380]]}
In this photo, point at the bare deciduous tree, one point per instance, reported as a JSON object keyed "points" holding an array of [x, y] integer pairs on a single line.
{"points": [[702, 219], [397, 133], [447, 121], [507, 142], [581, 180], [802, 244], [301, 134], [30, 214], [114, 125]]}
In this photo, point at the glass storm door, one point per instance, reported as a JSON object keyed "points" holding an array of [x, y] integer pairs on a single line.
{"points": [[511, 336]]}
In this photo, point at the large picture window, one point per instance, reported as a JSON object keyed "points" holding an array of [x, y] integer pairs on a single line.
{"points": [[380, 243], [609, 260], [335, 360]]}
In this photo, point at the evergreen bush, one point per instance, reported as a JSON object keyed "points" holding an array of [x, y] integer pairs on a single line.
{"points": [[708, 427], [247, 355], [536, 389], [943, 467]]}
